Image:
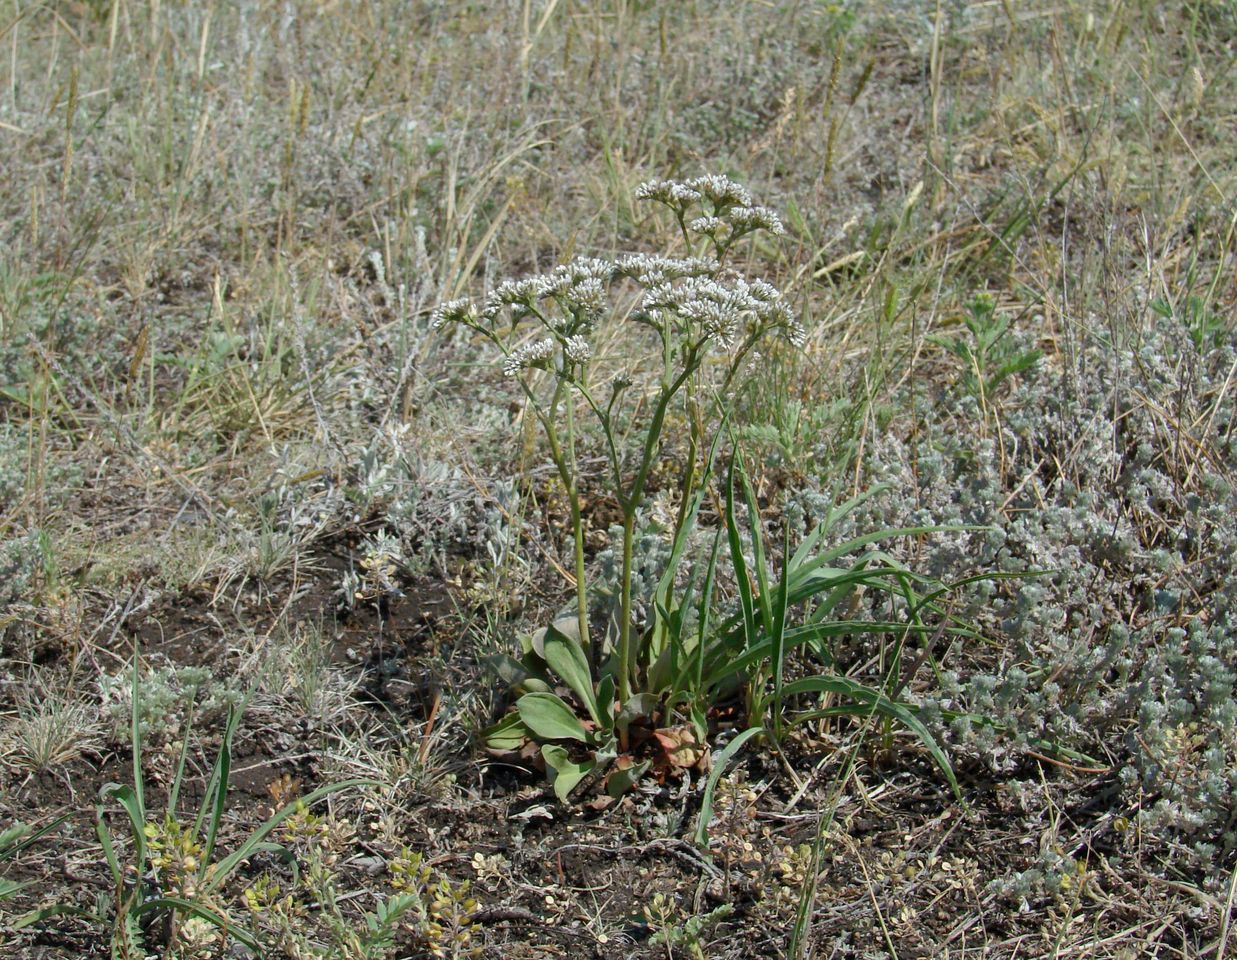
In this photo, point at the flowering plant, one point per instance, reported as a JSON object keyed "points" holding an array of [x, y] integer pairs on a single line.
{"points": [[704, 321]]}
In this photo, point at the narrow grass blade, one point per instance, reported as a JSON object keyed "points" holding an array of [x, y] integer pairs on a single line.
{"points": [[254, 843], [764, 597], [15, 839], [720, 762], [56, 910], [217, 790], [216, 919], [131, 805], [743, 582], [777, 638], [868, 701]]}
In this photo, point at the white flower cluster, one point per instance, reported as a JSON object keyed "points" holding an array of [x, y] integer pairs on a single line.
{"points": [[691, 288], [585, 268], [524, 293], [577, 349], [747, 218], [579, 286], [670, 192], [718, 306], [528, 355], [453, 311], [715, 307], [650, 270], [735, 222], [585, 299], [709, 226], [720, 191]]}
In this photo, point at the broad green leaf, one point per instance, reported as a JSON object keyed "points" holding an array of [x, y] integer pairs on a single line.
{"points": [[509, 733], [640, 705], [508, 669], [564, 773], [566, 658], [549, 718], [605, 701], [567, 626], [624, 778]]}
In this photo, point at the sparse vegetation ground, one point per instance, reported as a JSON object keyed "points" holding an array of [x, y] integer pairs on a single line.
{"points": [[930, 642]]}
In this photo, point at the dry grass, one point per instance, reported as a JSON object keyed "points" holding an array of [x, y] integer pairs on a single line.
{"points": [[222, 229]]}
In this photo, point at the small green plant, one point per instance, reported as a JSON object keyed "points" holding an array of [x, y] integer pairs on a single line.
{"points": [[167, 882], [685, 659], [989, 356], [308, 916], [15, 839], [51, 728], [671, 931], [1206, 328], [282, 909]]}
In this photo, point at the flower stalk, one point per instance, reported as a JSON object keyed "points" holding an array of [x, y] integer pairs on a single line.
{"points": [[697, 308]]}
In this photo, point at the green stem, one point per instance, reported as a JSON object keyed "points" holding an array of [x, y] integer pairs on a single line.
{"points": [[624, 646], [577, 532], [631, 502], [695, 432], [567, 475], [603, 419]]}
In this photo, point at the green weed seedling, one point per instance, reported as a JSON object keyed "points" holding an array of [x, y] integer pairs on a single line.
{"points": [[167, 877], [1207, 329], [989, 357], [675, 932], [15, 839]]}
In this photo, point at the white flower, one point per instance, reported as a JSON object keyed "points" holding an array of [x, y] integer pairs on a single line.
{"points": [[745, 219], [662, 296], [577, 349], [764, 291], [794, 332], [528, 356], [453, 311], [721, 191], [524, 292], [589, 268], [715, 307], [670, 192], [586, 297], [652, 271], [709, 226]]}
